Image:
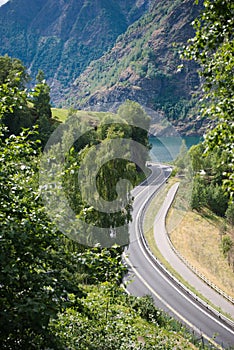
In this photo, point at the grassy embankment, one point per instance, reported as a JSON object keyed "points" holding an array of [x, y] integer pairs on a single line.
{"points": [[196, 236], [198, 239]]}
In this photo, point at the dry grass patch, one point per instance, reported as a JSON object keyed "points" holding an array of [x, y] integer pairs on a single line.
{"points": [[198, 239], [176, 217]]}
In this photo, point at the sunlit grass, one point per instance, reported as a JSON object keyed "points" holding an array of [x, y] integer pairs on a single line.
{"points": [[198, 239], [179, 220], [59, 113]]}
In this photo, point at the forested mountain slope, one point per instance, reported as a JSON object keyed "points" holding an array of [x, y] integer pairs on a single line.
{"points": [[96, 54], [63, 37], [143, 66]]}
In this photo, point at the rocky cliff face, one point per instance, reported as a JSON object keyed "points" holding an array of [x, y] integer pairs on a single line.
{"points": [[146, 57], [143, 66], [62, 37], [96, 54]]}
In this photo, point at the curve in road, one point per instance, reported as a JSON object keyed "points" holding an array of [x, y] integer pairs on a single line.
{"points": [[150, 277], [164, 245]]}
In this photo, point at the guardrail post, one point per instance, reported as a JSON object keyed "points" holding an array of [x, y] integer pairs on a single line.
{"points": [[203, 344]]}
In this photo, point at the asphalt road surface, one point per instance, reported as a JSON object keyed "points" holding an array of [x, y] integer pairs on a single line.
{"points": [[147, 275]]}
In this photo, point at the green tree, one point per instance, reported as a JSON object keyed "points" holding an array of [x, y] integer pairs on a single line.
{"points": [[227, 244], [216, 199], [15, 113], [196, 156], [212, 48], [103, 265], [134, 115], [41, 97], [37, 274], [13, 71], [108, 164], [16, 110], [230, 214], [182, 160], [198, 198]]}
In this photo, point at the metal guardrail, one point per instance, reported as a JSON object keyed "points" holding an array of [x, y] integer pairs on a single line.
{"points": [[199, 274], [182, 287], [204, 305]]}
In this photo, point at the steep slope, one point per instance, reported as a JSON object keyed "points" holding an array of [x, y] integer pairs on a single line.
{"points": [[62, 37], [143, 66]]}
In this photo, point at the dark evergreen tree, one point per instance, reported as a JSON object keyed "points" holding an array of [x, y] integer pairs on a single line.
{"points": [[41, 97]]}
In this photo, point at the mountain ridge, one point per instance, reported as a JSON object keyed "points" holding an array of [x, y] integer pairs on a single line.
{"points": [[143, 66], [63, 37], [96, 54]]}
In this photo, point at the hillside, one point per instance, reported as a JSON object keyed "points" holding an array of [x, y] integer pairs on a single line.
{"points": [[97, 54], [143, 66], [63, 37]]}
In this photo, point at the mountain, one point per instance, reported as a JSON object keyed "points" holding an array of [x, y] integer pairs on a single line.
{"points": [[143, 66], [96, 54], [62, 37]]}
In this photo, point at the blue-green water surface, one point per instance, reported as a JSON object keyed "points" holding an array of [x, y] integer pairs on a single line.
{"points": [[166, 149]]}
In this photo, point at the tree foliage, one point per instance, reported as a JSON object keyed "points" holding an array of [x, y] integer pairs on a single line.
{"points": [[107, 155], [212, 48], [19, 107], [130, 323], [41, 97], [14, 110], [102, 265], [37, 272], [208, 177], [12, 71]]}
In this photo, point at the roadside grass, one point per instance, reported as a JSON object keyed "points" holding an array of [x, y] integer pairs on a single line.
{"points": [[156, 252], [198, 239], [149, 218], [203, 252]]}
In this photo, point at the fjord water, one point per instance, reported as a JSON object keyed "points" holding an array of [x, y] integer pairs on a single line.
{"points": [[166, 149]]}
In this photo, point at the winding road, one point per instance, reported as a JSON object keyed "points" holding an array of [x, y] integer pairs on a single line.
{"points": [[148, 276]]}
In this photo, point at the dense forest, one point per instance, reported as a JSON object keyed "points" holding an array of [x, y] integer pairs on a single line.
{"points": [[55, 292], [62, 38], [62, 293]]}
